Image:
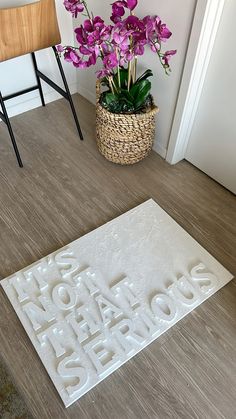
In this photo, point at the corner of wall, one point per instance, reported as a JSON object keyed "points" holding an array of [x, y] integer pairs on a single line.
{"points": [[83, 91], [159, 149]]}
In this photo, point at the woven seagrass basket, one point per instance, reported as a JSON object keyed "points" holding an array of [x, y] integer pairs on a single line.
{"points": [[124, 138]]}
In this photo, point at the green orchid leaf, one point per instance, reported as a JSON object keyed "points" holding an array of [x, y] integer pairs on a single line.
{"points": [[123, 79], [140, 91], [127, 94], [110, 97], [138, 99], [144, 76], [143, 93]]}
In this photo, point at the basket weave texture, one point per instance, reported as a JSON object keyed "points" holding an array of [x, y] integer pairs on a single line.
{"points": [[124, 138]]}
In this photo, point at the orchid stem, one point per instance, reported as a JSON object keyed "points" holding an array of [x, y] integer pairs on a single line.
{"points": [[129, 75], [134, 70], [110, 84], [114, 85], [87, 10], [118, 70]]}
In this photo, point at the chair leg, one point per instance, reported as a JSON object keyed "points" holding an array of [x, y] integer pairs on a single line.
{"points": [[7, 122], [38, 78], [68, 92]]}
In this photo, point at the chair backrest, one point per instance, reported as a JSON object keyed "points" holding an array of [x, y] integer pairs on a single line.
{"points": [[28, 28]]}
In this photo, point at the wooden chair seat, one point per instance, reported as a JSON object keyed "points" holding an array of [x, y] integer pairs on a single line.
{"points": [[28, 28]]}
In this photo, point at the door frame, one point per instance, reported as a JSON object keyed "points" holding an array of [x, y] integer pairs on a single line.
{"points": [[204, 30]]}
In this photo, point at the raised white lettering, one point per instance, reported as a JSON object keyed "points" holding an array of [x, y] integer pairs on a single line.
{"points": [[57, 336], [64, 296], [206, 280], [183, 291], [127, 337], [103, 358], [125, 291], [83, 323], [39, 316], [107, 309], [67, 262], [163, 307], [69, 368]]}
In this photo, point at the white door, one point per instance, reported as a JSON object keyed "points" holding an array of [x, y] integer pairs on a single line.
{"points": [[212, 144]]}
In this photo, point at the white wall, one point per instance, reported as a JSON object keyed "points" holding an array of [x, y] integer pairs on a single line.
{"points": [[18, 74], [178, 15]]}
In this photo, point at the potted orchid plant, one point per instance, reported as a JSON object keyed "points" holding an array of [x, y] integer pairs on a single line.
{"points": [[125, 107]]}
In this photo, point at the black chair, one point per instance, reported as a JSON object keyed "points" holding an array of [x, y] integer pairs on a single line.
{"points": [[27, 29]]}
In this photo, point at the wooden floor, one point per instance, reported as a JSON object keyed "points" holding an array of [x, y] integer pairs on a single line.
{"points": [[67, 189]]}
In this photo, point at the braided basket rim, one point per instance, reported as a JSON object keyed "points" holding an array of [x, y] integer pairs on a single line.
{"points": [[152, 111]]}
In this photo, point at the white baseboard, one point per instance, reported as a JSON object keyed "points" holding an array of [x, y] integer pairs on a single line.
{"points": [[159, 149], [32, 100], [90, 96]]}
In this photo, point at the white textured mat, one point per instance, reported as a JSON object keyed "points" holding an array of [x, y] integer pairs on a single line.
{"points": [[94, 304]]}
